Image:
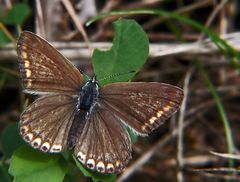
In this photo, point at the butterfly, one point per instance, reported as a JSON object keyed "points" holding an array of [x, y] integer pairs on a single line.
{"points": [[71, 113]]}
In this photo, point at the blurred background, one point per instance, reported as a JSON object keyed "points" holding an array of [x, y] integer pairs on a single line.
{"points": [[198, 142]]}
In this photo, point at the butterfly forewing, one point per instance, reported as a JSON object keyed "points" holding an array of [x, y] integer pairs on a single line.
{"points": [[103, 143], [45, 124], [142, 106], [43, 69]]}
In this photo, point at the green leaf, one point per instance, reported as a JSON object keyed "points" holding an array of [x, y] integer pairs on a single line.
{"points": [[3, 77], [2, 10], [17, 15], [128, 53], [96, 177], [28, 165], [4, 176], [10, 140], [3, 38], [73, 174]]}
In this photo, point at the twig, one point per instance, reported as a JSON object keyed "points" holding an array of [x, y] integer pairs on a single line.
{"points": [[40, 26], [191, 7], [193, 161], [8, 4], [213, 15], [207, 105], [221, 110], [220, 89], [141, 4], [7, 33], [76, 21], [18, 27], [220, 173], [205, 45], [77, 50], [224, 21], [226, 155], [220, 169], [182, 114], [109, 5], [9, 71], [88, 9]]}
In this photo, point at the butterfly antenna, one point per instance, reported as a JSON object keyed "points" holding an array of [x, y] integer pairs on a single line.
{"points": [[116, 75], [83, 72]]}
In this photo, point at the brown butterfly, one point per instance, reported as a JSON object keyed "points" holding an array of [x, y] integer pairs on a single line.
{"points": [[73, 113]]}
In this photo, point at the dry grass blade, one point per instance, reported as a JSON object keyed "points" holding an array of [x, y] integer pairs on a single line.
{"points": [[40, 25], [77, 50], [193, 161], [75, 19], [180, 157], [220, 173], [7, 33], [226, 155], [200, 47], [192, 7], [213, 15]]}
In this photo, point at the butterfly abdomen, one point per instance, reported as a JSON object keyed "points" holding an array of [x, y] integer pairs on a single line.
{"points": [[76, 127]]}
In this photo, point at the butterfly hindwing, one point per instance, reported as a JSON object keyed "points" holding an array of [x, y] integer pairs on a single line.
{"points": [[46, 123], [141, 106], [43, 69], [103, 143]]}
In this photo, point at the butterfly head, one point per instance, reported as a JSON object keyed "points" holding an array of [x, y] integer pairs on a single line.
{"points": [[92, 83], [94, 79]]}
